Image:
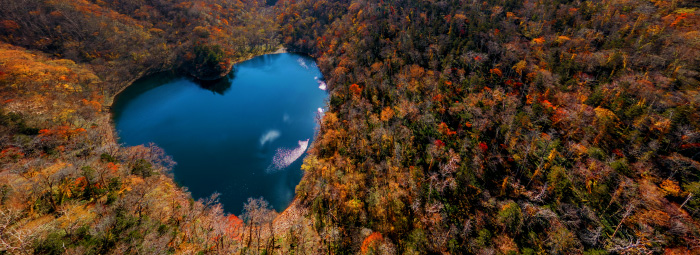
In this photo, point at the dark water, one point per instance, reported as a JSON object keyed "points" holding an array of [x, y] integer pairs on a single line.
{"points": [[243, 137]]}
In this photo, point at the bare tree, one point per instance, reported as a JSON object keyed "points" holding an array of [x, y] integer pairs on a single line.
{"points": [[258, 215], [13, 238]]}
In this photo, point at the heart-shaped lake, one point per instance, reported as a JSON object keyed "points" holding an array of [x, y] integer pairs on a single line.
{"points": [[244, 136]]}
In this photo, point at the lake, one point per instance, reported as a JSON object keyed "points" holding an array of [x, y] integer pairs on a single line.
{"points": [[242, 136]]}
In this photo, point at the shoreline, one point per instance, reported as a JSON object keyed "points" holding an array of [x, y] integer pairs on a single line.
{"points": [[294, 206], [147, 72]]}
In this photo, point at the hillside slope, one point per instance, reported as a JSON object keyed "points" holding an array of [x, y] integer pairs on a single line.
{"points": [[66, 185], [454, 127], [556, 127]]}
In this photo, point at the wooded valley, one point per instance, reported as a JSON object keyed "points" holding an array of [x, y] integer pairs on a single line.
{"points": [[453, 127]]}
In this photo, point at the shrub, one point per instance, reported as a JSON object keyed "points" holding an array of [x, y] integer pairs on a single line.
{"points": [[108, 158], [142, 168], [560, 182], [510, 217], [621, 167], [52, 244]]}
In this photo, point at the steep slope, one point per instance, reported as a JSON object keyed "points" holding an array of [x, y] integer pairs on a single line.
{"points": [[66, 185], [559, 127], [123, 39], [503, 126]]}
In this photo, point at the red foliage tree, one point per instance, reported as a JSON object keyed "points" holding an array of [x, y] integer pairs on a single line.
{"points": [[371, 242], [355, 89]]}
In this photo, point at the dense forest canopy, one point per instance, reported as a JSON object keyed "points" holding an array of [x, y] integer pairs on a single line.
{"points": [[504, 126], [454, 127]]}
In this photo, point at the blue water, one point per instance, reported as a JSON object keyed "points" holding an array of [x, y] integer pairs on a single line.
{"points": [[242, 137]]}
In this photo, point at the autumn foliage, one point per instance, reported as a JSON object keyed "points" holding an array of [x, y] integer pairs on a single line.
{"points": [[552, 127], [355, 89], [371, 243], [495, 127], [66, 185]]}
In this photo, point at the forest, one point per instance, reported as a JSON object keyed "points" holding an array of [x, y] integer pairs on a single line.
{"points": [[453, 127]]}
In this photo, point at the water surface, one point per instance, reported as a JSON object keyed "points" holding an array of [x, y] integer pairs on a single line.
{"points": [[244, 136]]}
